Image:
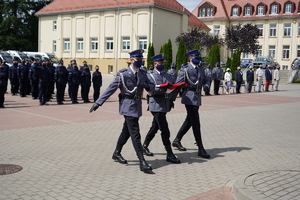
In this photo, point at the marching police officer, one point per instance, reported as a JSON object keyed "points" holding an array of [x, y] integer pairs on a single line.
{"points": [[159, 104], [34, 79], [97, 82], [172, 72], [217, 74], [44, 80], [61, 78], [131, 81], [3, 84], [85, 83], [13, 77], [195, 78], [23, 72], [208, 74], [74, 80]]}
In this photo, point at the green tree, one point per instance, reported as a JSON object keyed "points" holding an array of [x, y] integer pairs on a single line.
{"points": [[236, 62], [19, 25], [214, 55], [150, 54], [168, 54], [181, 57]]}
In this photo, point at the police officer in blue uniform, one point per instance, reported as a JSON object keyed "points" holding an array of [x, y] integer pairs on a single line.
{"points": [[6, 70], [193, 75], [61, 78], [74, 80], [97, 82], [13, 77], [44, 80], [217, 75], [70, 68], [23, 72], [159, 104], [52, 82], [85, 83], [3, 84], [208, 74], [131, 81], [34, 79], [172, 72]]}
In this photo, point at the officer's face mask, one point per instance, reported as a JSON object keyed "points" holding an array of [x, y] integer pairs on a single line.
{"points": [[15, 64], [196, 60], [138, 63], [160, 67], [75, 67]]}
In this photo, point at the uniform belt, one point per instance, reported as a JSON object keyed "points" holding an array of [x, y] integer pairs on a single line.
{"points": [[135, 97], [194, 89], [160, 95]]}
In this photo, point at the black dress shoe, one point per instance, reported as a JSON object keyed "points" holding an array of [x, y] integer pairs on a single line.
{"points": [[146, 151], [118, 157], [202, 153], [145, 167], [2, 106], [172, 158], [176, 143], [60, 103]]}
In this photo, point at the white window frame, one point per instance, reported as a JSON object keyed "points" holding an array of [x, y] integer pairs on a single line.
{"points": [[109, 44], [298, 51], [259, 51], [80, 44], [260, 10], [209, 12], [203, 12], [274, 9], [285, 52], [67, 44], [288, 8], [235, 11], [298, 29], [272, 51], [273, 30], [217, 29], [247, 11], [143, 42], [54, 46], [94, 44], [261, 29], [287, 30], [54, 25], [125, 43]]}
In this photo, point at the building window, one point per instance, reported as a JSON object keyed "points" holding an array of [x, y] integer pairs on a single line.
{"points": [[143, 43], [260, 10], [287, 30], [272, 51], [126, 43], [260, 28], [298, 29], [67, 44], [94, 44], [54, 46], [274, 9], [210, 12], [235, 11], [288, 8], [272, 30], [80, 44], [202, 12], [284, 67], [110, 69], [298, 51], [286, 52], [247, 11], [54, 25], [259, 51], [109, 44], [245, 55], [217, 29]]}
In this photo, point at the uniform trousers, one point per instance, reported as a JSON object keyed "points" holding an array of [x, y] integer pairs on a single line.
{"points": [[43, 89], [74, 92], [216, 86], [192, 120], [50, 90], [96, 91], [2, 93], [159, 123], [258, 84], [34, 88], [60, 92], [249, 86], [85, 89], [23, 87], [14, 83], [131, 129]]}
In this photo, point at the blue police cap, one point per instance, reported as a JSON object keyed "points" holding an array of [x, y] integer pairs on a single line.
{"points": [[193, 53], [159, 57], [137, 53]]}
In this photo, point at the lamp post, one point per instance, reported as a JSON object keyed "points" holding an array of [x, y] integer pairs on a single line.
{"points": [[117, 38]]}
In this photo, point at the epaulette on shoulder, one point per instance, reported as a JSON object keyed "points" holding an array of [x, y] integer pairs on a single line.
{"points": [[123, 70], [185, 66]]}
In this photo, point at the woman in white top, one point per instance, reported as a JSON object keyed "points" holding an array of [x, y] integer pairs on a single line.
{"points": [[228, 80]]}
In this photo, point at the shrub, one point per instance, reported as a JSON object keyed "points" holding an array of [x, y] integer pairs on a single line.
{"points": [[297, 80]]}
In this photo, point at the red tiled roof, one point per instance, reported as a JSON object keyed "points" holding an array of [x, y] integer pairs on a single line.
{"points": [[59, 6], [223, 8]]}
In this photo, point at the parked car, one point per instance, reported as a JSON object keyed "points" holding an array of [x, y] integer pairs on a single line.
{"points": [[245, 62], [295, 64], [264, 61]]}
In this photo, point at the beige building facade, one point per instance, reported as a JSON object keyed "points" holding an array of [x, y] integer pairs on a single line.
{"points": [[104, 36], [278, 21]]}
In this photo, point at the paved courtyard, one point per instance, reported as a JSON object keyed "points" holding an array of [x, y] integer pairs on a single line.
{"points": [[65, 151]]}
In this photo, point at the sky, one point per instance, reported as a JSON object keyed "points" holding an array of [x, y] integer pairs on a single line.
{"points": [[190, 4]]}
